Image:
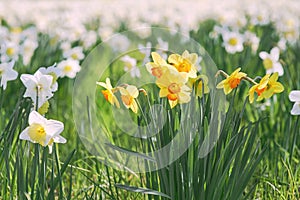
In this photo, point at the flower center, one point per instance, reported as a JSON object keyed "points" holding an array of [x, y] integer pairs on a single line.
{"points": [[74, 56], [10, 51], [172, 97], [68, 68], [37, 133], [174, 88], [127, 99], [268, 63], [156, 71], [259, 91], [233, 41], [106, 94], [184, 66], [234, 82]]}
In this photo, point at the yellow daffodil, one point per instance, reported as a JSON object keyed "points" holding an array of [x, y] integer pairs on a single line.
{"points": [[232, 81], [109, 92], [267, 86], [185, 63], [128, 95], [173, 86], [156, 68]]}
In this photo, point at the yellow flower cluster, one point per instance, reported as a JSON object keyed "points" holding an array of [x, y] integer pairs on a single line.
{"points": [[267, 87], [177, 77]]}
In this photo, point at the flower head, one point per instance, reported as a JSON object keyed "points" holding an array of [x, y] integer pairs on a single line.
{"points": [[271, 61], [75, 53], [128, 96], [232, 81], [233, 42], [38, 86], [267, 86], [295, 97], [69, 68], [54, 72], [7, 73], [185, 63], [173, 86], [43, 131], [158, 66], [109, 92]]}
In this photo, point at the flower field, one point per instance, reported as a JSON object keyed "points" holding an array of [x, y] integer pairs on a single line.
{"points": [[150, 100]]}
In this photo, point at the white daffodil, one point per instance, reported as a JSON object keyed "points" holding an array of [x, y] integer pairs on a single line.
{"points": [[54, 72], [233, 42], [69, 68], [7, 73], [130, 66], [38, 86], [295, 97], [271, 61], [9, 51], [75, 53], [43, 131]]}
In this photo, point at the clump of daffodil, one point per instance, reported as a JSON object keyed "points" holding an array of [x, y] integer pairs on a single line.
{"points": [[128, 96], [231, 81], [173, 86], [185, 63], [267, 87], [109, 92], [43, 131]]}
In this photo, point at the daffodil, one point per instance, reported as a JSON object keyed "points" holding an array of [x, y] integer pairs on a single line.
{"points": [[295, 97], [69, 68], [157, 67], [38, 86], [173, 86], [9, 51], [271, 61], [233, 42], [185, 63], [7, 73], [75, 53], [232, 81], [130, 66], [128, 96], [54, 72], [267, 86], [43, 131], [109, 92]]}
